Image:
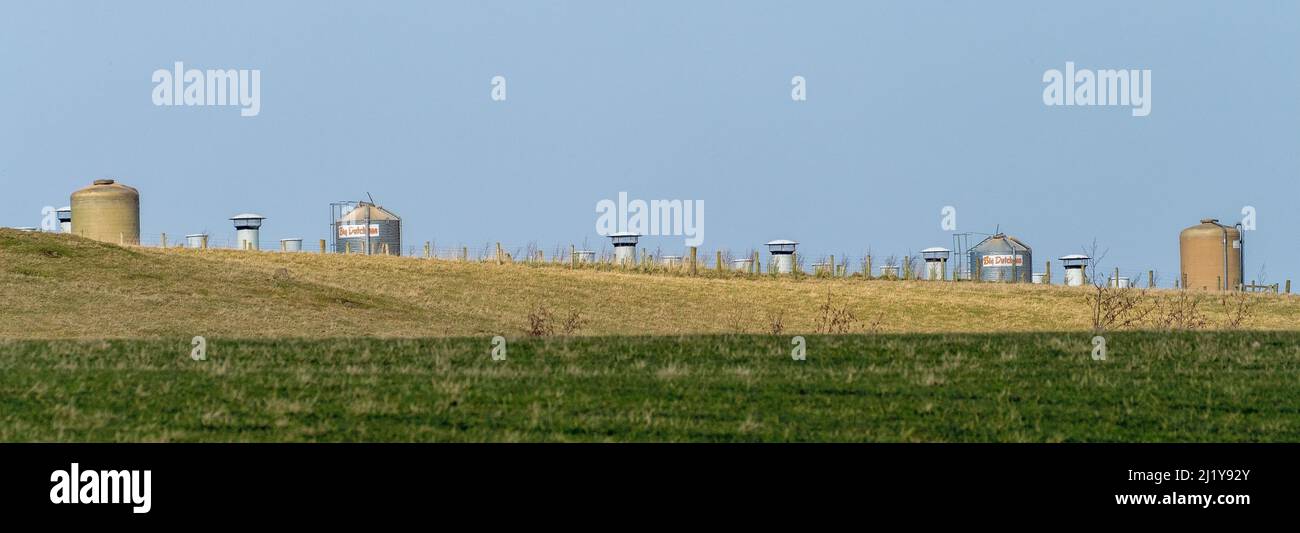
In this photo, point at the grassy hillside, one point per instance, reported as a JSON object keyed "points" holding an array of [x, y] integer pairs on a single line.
{"points": [[63, 287], [94, 346], [1038, 387]]}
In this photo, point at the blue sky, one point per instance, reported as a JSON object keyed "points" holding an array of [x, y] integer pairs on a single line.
{"points": [[911, 106]]}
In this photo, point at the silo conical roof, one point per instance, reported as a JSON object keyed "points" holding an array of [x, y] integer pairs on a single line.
{"points": [[370, 211]]}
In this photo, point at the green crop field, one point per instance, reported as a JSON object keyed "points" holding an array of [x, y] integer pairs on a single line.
{"points": [[1037, 387]]}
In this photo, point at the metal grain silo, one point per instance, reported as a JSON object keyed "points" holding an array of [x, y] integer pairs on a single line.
{"points": [[196, 241], [65, 219], [1211, 255], [624, 247], [107, 211], [936, 262], [782, 251], [1076, 266], [1002, 258], [248, 231], [369, 229]]}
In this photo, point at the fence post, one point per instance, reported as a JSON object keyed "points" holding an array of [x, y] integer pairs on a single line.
{"points": [[1047, 274], [1151, 279], [573, 256], [719, 261], [756, 267], [205, 242], [1288, 286], [164, 241], [694, 260], [428, 250], [867, 274], [794, 262], [282, 248], [322, 246]]}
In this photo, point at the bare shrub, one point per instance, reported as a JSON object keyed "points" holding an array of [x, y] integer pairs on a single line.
{"points": [[1114, 308], [541, 322], [544, 323], [1180, 312], [1238, 308], [835, 318], [572, 322], [911, 267]]}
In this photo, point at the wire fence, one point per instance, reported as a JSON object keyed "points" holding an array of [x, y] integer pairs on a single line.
{"points": [[746, 261], [749, 261]]}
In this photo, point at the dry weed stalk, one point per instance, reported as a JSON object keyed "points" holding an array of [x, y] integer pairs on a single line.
{"points": [[776, 321]]}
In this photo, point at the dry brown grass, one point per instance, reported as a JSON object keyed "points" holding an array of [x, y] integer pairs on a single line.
{"points": [[57, 286]]}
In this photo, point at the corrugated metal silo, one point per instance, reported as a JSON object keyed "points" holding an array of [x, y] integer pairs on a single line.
{"points": [[107, 211], [369, 229], [1002, 258]]}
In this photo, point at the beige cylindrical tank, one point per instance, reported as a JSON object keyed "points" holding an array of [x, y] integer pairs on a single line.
{"points": [[1205, 250], [107, 211]]}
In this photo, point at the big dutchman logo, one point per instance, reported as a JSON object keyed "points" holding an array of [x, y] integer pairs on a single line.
{"points": [[102, 486]]}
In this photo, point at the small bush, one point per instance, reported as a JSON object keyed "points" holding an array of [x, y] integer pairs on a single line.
{"points": [[543, 323], [833, 318]]}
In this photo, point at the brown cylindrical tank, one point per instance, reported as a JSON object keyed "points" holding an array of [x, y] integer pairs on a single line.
{"points": [[107, 211], [1205, 249]]}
